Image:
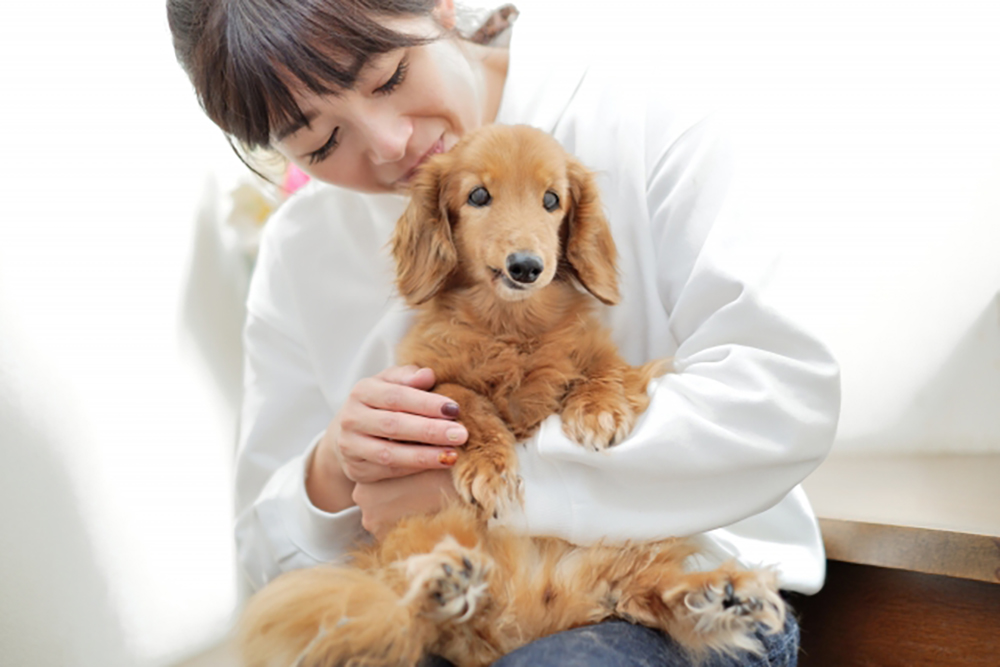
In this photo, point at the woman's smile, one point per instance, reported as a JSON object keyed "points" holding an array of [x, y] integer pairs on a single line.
{"points": [[436, 147], [406, 106]]}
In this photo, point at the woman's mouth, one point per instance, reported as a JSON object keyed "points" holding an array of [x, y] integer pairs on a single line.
{"points": [[436, 147]]}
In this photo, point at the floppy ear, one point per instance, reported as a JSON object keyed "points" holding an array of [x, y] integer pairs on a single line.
{"points": [[590, 249], [421, 244]]}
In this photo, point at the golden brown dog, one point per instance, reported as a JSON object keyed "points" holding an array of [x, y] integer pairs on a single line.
{"points": [[502, 233]]}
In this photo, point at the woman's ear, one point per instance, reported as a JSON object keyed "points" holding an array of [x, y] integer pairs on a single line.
{"points": [[590, 248], [422, 245]]}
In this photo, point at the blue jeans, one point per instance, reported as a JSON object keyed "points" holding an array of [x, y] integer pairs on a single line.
{"points": [[621, 644]]}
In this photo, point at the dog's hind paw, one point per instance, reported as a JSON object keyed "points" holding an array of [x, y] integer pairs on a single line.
{"points": [[726, 607], [448, 584]]}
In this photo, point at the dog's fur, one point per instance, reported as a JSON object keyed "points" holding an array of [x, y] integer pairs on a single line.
{"points": [[510, 352]]}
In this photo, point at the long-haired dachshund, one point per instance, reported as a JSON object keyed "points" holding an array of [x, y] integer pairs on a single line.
{"points": [[503, 250]]}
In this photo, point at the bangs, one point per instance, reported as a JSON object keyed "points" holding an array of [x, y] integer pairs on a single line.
{"points": [[268, 46]]}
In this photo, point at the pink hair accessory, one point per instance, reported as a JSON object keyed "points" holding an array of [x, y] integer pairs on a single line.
{"points": [[295, 178]]}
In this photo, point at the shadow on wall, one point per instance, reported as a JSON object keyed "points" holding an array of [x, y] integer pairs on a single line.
{"points": [[54, 604], [956, 410]]}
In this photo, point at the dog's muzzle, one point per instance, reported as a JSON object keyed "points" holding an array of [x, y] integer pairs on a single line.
{"points": [[524, 267]]}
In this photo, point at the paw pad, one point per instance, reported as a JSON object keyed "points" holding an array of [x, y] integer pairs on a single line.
{"points": [[450, 581]]}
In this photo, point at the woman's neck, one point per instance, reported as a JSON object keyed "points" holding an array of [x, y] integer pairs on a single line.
{"points": [[491, 63]]}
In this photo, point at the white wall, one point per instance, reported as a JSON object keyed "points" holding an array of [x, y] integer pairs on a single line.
{"points": [[871, 161], [116, 464]]}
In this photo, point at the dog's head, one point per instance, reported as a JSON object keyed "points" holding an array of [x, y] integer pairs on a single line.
{"points": [[509, 208]]}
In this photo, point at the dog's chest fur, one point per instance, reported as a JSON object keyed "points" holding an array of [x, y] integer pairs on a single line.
{"points": [[525, 371]]}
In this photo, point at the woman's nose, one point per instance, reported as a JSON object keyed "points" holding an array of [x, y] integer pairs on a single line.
{"points": [[387, 136]]}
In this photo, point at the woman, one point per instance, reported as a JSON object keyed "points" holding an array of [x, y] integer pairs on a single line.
{"points": [[337, 442]]}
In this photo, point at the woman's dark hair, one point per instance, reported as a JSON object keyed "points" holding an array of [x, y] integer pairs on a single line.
{"points": [[242, 55]]}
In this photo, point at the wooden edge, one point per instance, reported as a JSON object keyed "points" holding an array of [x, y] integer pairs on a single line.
{"points": [[963, 555]]}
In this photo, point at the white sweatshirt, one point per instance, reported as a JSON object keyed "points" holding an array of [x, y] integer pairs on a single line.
{"points": [[750, 411]]}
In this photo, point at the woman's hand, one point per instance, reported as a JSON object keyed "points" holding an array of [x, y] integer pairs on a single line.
{"points": [[384, 503], [390, 427]]}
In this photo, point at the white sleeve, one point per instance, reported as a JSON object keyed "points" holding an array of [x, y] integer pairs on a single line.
{"points": [[750, 411], [284, 414]]}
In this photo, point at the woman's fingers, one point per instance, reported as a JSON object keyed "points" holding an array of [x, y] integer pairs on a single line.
{"points": [[391, 396], [391, 426], [368, 459], [412, 376], [405, 427]]}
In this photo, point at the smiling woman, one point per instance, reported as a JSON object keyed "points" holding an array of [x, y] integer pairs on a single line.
{"points": [[351, 98], [338, 441]]}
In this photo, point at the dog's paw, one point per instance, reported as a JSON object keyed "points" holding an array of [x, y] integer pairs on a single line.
{"points": [[598, 417], [448, 584], [726, 607], [488, 483]]}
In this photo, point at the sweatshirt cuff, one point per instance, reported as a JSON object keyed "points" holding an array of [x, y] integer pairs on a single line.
{"points": [[324, 535], [296, 533]]}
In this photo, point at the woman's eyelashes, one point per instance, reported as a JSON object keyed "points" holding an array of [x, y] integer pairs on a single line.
{"points": [[323, 151], [396, 79]]}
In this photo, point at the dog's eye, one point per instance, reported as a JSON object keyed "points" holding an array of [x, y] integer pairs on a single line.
{"points": [[550, 201], [480, 196]]}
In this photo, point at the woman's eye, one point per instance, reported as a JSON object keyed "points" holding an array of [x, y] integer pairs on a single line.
{"points": [[480, 196], [397, 78], [323, 151], [550, 201]]}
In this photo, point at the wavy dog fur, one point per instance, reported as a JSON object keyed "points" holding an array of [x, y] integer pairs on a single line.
{"points": [[504, 250]]}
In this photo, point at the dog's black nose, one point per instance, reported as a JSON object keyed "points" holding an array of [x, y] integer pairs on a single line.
{"points": [[524, 267]]}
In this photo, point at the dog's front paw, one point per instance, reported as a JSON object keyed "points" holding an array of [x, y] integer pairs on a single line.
{"points": [[450, 583], [488, 480], [598, 416], [727, 606]]}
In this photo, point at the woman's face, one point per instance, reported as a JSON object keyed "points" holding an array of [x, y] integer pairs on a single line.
{"points": [[406, 106]]}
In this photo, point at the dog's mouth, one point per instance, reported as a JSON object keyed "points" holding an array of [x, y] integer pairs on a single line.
{"points": [[498, 274]]}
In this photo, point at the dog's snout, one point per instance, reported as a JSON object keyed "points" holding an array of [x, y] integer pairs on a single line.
{"points": [[524, 267]]}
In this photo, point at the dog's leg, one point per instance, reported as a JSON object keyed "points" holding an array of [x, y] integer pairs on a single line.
{"points": [[719, 610], [333, 616], [486, 472], [601, 410], [598, 412]]}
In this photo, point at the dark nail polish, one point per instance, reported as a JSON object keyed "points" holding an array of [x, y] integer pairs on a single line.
{"points": [[449, 409]]}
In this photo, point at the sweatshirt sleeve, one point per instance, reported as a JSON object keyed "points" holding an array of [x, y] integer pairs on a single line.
{"points": [[284, 414], [749, 412]]}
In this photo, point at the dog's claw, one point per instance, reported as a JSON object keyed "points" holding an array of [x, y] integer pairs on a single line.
{"points": [[730, 599], [485, 485]]}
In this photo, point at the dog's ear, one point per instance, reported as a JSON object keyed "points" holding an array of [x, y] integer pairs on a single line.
{"points": [[590, 249], [422, 244]]}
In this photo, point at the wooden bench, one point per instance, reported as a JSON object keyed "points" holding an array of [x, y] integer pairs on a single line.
{"points": [[913, 549]]}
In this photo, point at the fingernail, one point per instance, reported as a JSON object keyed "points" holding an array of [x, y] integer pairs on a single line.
{"points": [[449, 409], [448, 458], [455, 434]]}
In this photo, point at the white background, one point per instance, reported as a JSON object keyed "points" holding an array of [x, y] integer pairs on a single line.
{"points": [[871, 164]]}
